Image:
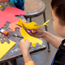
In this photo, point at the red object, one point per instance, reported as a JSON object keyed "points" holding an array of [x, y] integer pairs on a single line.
{"points": [[4, 17], [3, 0], [14, 25], [14, 11], [6, 33], [9, 16]]}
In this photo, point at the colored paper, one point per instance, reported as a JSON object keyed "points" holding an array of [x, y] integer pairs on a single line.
{"points": [[5, 47], [14, 25], [31, 25], [9, 15], [14, 11], [0, 6], [30, 38], [2, 21], [3, 0], [4, 17], [34, 45]]}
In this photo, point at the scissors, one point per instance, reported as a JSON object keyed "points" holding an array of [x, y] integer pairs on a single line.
{"points": [[31, 31], [15, 35]]}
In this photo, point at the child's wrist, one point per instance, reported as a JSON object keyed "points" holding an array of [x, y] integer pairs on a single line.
{"points": [[44, 34], [25, 52], [27, 57]]}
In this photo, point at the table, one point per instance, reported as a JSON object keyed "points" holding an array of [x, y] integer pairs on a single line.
{"points": [[15, 52]]}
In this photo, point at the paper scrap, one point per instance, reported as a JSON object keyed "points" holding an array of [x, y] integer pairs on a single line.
{"points": [[5, 47], [34, 45], [14, 25]]}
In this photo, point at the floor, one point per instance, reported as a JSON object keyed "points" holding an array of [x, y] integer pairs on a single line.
{"points": [[43, 57]]}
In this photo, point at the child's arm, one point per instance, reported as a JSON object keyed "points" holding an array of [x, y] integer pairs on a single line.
{"points": [[25, 46], [54, 40]]}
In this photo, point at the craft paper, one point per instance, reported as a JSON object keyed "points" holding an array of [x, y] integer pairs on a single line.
{"points": [[14, 25], [14, 11], [4, 17], [0, 6], [5, 47], [26, 25], [2, 21], [9, 16], [34, 45], [31, 24], [30, 38]]}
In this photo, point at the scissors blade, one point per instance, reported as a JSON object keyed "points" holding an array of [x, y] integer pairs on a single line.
{"points": [[17, 36]]}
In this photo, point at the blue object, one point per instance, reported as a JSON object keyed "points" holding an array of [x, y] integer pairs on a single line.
{"points": [[54, 58], [18, 3], [0, 28]]}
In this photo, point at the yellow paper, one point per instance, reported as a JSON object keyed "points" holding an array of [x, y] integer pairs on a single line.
{"points": [[31, 25], [30, 38], [0, 6], [5, 47], [34, 45], [20, 23]]}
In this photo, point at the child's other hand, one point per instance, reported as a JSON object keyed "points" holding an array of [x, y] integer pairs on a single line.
{"points": [[24, 46]]}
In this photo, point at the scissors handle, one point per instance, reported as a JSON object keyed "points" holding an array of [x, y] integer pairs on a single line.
{"points": [[31, 31], [28, 31], [34, 31]]}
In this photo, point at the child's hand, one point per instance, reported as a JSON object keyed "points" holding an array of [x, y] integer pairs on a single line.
{"points": [[25, 46], [40, 33]]}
